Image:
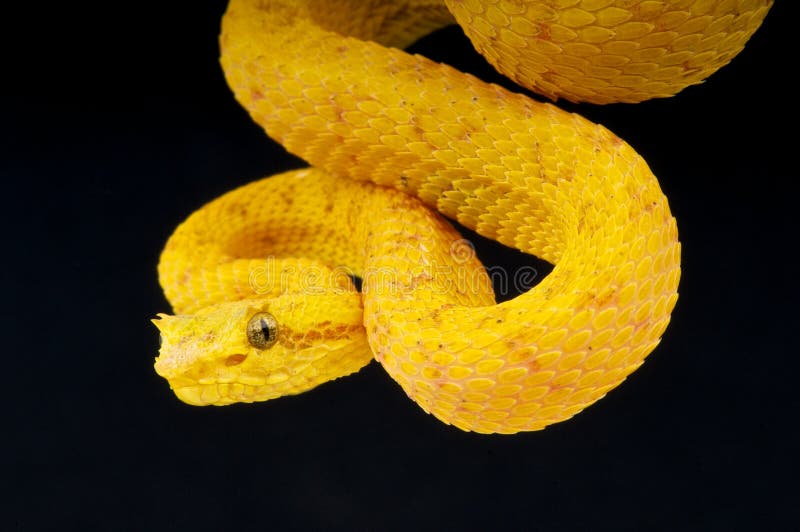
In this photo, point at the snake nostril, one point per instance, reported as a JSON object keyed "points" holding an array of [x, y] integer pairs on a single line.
{"points": [[235, 360]]}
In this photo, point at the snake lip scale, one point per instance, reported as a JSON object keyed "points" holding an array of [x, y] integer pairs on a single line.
{"points": [[260, 278]]}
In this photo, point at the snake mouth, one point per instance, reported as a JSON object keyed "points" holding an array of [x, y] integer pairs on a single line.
{"points": [[220, 394], [247, 387]]}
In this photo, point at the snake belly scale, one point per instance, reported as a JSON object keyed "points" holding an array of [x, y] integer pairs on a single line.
{"points": [[388, 135]]}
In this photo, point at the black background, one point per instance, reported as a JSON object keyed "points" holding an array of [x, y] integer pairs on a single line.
{"points": [[117, 123]]}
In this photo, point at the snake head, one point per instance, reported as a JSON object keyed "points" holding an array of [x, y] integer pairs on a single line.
{"points": [[254, 350]]}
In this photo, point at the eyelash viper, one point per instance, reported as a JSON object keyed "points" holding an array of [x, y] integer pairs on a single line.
{"points": [[524, 173]]}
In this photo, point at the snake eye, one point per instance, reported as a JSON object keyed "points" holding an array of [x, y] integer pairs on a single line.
{"points": [[262, 330]]}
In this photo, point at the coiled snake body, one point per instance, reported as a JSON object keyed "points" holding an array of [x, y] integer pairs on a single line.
{"points": [[254, 321]]}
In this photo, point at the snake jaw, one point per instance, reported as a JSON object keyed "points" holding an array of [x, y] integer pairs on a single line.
{"points": [[206, 348]]}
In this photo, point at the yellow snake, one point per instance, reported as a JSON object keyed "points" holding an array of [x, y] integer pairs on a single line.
{"points": [[260, 278]]}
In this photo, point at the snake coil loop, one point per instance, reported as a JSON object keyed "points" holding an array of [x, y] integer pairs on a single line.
{"points": [[379, 126]]}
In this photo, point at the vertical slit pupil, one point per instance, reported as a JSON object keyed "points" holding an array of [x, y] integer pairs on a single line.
{"points": [[265, 330], [262, 330]]}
